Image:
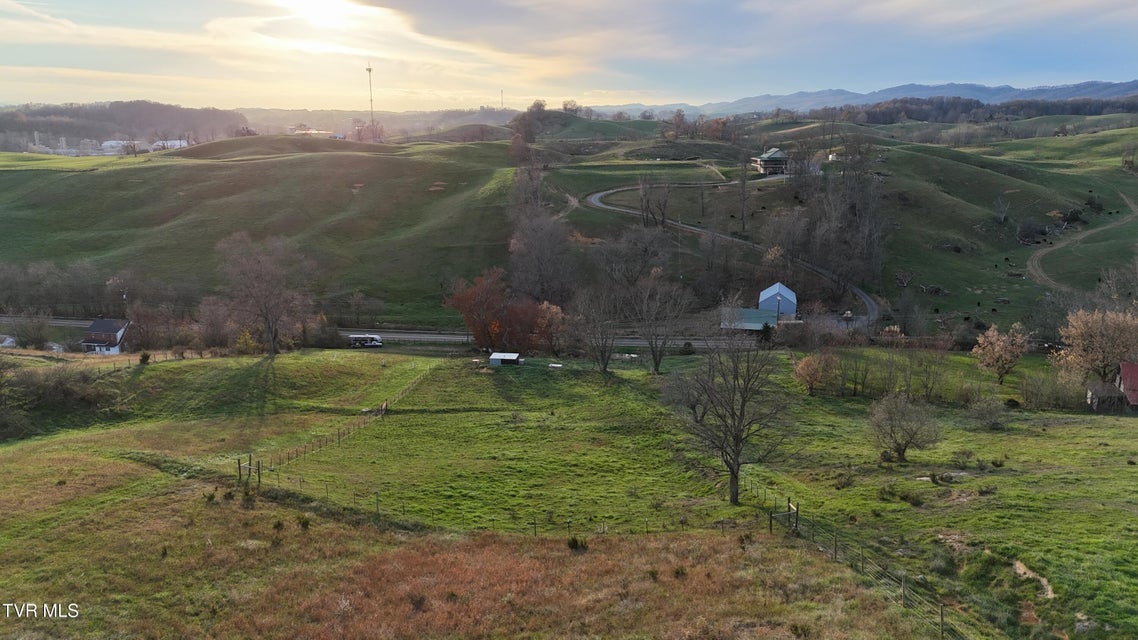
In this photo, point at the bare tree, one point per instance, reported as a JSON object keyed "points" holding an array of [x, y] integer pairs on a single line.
{"points": [[29, 329], [634, 255], [595, 316], [541, 264], [815, 371], [266, 286], [744, 170], [897, 424], [736, 410], [657, 308], [653, 201]]}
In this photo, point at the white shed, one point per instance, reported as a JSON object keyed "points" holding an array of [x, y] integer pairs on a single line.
{"points": [[498, 359]]}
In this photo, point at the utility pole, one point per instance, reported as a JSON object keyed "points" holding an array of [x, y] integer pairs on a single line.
{"points": [[371, 101]]}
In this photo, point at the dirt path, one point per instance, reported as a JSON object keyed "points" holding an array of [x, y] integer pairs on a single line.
{"points": [[1023, 572], [1034, 263]]}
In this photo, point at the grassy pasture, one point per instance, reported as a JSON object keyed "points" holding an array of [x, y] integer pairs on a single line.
{"points": [[479, 449], [475, 450], [133, 522], [392, 236]]}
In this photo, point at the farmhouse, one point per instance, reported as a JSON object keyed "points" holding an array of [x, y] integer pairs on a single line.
{"points": [[105, 337], [780, 299], [773, 162]]}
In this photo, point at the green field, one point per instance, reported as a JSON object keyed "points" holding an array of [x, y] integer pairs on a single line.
{"points": [[140, 523], [144, 505], [400, 222]]}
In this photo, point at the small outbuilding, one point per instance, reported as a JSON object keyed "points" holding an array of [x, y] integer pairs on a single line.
{"points": [[780, 299], [498, 359]]}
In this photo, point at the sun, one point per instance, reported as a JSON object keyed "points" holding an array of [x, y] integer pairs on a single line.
{"points": [[324, 14]]}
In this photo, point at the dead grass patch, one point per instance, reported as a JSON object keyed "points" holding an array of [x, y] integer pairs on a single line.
{"points": [[665, 586]]}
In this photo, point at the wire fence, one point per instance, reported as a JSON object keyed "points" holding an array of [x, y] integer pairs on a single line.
{"points": [[250, 471], [914, 595]]}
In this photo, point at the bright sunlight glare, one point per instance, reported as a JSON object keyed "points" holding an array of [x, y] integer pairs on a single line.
{"points": [[324, 14]]}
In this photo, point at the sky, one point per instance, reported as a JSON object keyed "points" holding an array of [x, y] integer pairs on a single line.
{"points": [[444, 54]]}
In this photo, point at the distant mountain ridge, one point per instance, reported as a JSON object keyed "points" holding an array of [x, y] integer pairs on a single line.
{"points": [[806, 100]]}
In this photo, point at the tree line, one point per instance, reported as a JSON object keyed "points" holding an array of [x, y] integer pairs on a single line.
{"points": [[124, 120]]}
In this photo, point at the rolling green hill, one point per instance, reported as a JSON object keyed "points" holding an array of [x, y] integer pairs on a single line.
{"points": [[142, 525], [391, 221], [397, 222]]}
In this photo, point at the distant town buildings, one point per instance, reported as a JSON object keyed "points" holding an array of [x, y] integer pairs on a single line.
{"points": [[87, 147]]}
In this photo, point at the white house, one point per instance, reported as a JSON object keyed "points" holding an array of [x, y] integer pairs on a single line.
{"points": [[105, 337]]}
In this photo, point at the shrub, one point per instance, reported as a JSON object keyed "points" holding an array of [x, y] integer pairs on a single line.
{"points": [[887, 491], [144, 358], [987, 412], [942, 563], [914, 498], [1047, 391], [680, 572], [962, 457], [247, 345], [845, 479], [579, 545]]}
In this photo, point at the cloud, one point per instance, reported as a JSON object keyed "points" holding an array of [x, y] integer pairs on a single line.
{"points": [[649, 49]]}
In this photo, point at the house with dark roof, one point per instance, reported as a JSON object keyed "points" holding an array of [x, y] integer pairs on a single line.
{"points": [[105, 336], [773, 162]]}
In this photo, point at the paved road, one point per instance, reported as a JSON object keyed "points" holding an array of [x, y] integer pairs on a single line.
{"points": [[872, 311]]}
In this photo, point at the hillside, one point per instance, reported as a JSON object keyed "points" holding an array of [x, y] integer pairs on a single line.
{"points": [[397, 222], [451, 514], [419, 522], [338, 201]]}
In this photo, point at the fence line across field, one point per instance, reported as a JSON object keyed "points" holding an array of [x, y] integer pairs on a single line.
{"points": [[913, 596], [292, 454]]}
